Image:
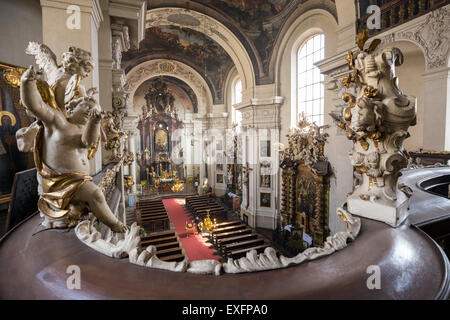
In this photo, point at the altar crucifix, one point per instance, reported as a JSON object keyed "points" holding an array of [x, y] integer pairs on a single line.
{"points": [[246, 172]]}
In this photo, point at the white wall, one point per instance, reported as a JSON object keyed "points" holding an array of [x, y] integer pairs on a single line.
{"points": [[410, 81], [20, 22]]}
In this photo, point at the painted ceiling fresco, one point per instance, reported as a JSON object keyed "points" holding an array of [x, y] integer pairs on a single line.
{"points": [[185, 98], [249, 13], [196, 47], [260, 20], [258, 24]]}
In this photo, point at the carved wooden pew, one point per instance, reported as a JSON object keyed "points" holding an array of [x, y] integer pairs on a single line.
{"points": [[150, 212], [235, 238], [247, 244], [153, 215], [167, 245], [236, 254], [219, 231], [228, 223], [229, 234], [149, 207]]}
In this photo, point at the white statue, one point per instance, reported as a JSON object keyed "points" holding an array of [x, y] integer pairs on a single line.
{"points": [[67, 135], [117, 53], [230, 175], [377, 120]]}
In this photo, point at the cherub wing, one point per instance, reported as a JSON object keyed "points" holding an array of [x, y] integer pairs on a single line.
{"points": [[45, 58]]}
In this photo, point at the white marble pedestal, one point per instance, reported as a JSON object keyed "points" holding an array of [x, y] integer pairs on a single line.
{"points": [[391, 212]]}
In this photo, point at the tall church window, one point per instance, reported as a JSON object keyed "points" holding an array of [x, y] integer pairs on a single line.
{"points": [[310, 90], [235, 99]]}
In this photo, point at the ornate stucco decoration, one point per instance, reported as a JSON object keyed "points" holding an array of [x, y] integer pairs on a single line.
{"points": [[164, 16], [108, 181], [432, 34], [114, 133], [169, 68], [128, 182], [377, 120], [117, 53], [119, 100], [127, 245], [306, 143]]}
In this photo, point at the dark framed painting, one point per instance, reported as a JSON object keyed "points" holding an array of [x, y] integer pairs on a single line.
{"points": [[12, 117], [219, 167], [219, 178], [265, 148], [161, 140], [265, 200]]}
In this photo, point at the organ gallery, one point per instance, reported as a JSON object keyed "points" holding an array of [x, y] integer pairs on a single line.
{"points": [[248, 150]]}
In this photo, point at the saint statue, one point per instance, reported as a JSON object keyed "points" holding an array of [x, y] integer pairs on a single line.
{"points": [[66, 132]]}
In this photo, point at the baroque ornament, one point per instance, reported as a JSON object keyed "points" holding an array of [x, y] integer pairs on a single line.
{"points": [[165, 68], [306, 143], [120, 246], [377, 121], [432, 34], [111, 126]]}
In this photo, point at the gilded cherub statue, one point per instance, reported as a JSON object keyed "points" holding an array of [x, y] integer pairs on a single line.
{"points": [[68, 122], [377, 121]]}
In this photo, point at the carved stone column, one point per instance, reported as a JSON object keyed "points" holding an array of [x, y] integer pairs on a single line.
{"points": [[199, 150], [130, 127], [131, 149], [216, 134], [338, 146], [261, 126]]}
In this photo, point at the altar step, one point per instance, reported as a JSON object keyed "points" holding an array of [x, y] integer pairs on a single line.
{"points": [[130, 216]]}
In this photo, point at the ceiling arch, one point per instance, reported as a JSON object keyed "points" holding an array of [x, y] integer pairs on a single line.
{"points": [[145, 57], [164, 67], [212, 28], [185, 97], [217, 9], [193, 48]]}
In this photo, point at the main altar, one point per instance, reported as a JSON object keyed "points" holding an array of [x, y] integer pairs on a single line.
{"points": [[157, 125]]}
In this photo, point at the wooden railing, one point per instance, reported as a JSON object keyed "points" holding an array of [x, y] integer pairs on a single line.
{"points": [[396, 12]]}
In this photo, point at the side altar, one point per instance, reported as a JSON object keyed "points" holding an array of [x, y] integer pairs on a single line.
{"points": [[305, 188]]}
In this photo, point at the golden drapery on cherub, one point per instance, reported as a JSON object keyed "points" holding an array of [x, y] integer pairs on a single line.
{"points": [[64, 137]]}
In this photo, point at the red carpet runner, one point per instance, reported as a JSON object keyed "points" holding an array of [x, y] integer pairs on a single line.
{"points": [[195, 246]]}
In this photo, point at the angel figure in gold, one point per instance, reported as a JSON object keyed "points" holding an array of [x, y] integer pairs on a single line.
{"points": [[68, 129]]}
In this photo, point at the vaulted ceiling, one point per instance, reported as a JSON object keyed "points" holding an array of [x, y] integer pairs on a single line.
{"points": [[258, 24], [184, 96]]}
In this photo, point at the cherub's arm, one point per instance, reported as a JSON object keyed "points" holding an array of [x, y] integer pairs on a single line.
{"points": [[31, 98], [91, 132]]}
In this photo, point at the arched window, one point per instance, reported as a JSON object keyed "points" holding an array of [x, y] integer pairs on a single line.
{"points": [[309, 80], [236, 97]]}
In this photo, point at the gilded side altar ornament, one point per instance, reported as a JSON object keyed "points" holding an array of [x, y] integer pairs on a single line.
{"points": [[111, 126], [63, 138], [377, 121]]}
